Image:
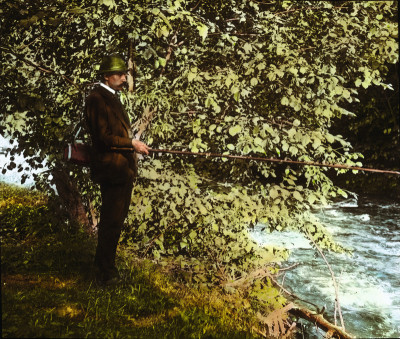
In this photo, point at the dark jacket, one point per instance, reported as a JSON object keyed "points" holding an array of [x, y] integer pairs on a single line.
{"points": [[108, 126]]}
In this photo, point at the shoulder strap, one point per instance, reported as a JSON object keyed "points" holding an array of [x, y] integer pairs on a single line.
{"points": [[79, 125]]}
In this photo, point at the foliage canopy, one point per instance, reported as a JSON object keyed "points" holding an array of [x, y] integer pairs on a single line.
{"points": [[263, 78]]}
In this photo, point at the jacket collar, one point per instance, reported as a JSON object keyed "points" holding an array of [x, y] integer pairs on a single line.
{"points": [[107, 87]]}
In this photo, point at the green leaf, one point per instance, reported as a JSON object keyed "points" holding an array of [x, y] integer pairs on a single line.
{"points": [[346, 94], [203, 31], [235, 130], [192, 234], [201, 207], [108, 3], [247, 47], [249, 247], [297, 196], [118, 20], [311, 198], [285, 101], [273, 193], [330, 138], [192, 76], [338, 90]]}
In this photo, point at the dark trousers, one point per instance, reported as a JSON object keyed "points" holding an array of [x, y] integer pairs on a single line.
{"points": [[116, 199]]}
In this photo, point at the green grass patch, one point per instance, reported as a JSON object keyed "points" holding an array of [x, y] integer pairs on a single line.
{"points": [[48, 288]]}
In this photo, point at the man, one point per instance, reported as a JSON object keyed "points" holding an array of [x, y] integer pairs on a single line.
{"points": [[109, 126]]}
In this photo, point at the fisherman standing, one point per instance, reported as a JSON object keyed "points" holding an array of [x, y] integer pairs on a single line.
{"points": [[109, 126]]}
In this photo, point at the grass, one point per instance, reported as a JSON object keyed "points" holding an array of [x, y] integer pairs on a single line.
{"points": [[48, 288]]}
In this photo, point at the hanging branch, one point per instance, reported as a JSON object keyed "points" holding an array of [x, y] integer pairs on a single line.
{"points": [[228, 156], [333, 279], [41, 68]]}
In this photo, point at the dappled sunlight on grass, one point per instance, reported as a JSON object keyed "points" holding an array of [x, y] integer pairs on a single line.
{"points": [[24, 281], [48, 288]]}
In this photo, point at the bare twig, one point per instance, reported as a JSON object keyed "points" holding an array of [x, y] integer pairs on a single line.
{"points": [[333, 279], [193, 8], [292, 294], [289, 267]]}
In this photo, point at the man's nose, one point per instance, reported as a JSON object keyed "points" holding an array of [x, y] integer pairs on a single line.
{"points": [[123, 77]]}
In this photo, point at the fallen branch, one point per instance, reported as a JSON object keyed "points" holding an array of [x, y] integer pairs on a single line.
{"points": [[315, 317], [273, 319], [319, 320]]}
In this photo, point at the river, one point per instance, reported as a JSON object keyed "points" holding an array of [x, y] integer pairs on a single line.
{"points": [[369, 280], [369, 291]]}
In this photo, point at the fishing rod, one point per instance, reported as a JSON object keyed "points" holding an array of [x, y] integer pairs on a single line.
{"points": [[243, 157]]}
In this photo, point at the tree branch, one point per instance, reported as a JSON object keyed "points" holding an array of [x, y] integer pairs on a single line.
{"points": [[193, 8], [333, 279], [318, 319], [171, 46], [41, 68]]}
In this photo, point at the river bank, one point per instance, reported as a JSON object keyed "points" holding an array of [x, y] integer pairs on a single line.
{"points": [[369, 288], [48, 289]]}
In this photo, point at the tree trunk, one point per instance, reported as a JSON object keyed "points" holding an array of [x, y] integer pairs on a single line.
{"points": [[72, 200], [131, 67]]}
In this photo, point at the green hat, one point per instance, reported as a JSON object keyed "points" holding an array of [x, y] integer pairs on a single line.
{"points": [[112, 63]]}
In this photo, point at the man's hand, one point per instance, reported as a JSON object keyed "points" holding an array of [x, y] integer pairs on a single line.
{"points": [[140, 147]]}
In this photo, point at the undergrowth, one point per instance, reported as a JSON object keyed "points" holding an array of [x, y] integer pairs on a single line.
{"points": [[48, 289]]}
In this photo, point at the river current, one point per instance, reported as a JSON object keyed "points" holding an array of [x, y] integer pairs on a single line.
{"points": [[369, 280], [369, 291]]}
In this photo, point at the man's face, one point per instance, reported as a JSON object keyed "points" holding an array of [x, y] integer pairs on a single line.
{"points": [[115, 80]]}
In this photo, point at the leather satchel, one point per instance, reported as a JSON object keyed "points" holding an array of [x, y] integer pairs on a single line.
{"points": [[78, 153]]}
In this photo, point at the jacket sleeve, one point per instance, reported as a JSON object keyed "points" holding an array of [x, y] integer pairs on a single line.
{"points": [[100, 124]]}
